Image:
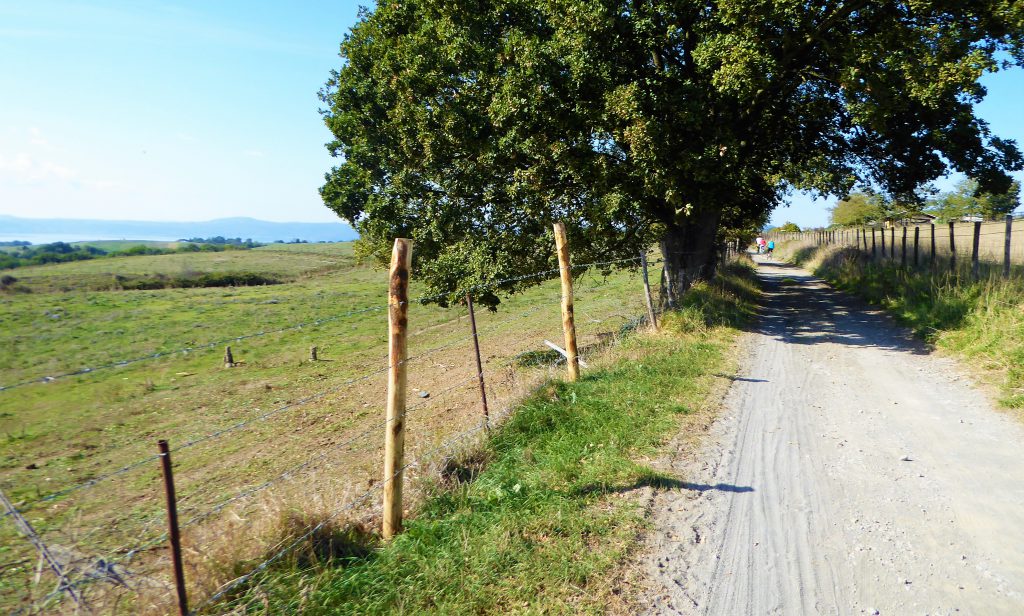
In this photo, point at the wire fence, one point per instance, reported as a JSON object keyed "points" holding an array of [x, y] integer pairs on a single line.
{"points": [[261, 482], [976, 248]]}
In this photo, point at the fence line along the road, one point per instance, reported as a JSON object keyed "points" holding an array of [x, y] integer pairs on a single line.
{"points": [[980, 244], [125, 563]]}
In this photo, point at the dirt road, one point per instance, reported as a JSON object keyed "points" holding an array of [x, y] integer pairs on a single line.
{"points": [[851, 473]]}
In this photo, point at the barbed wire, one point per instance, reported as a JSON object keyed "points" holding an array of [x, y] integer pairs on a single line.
{"points": [[320, 456], [216, 343], [29, 532], [348, 442], [348, 507], [241, 424], [186, 350], [212, 435], [110, 561]]}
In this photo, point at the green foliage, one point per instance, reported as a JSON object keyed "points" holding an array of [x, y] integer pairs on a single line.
{"points": [[968, 200], [857, 209], [472, 126], [789, 227], [196, 281], [60, 252]]}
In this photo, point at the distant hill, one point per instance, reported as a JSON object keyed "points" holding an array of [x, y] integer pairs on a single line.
{"points": [[68, 229]]}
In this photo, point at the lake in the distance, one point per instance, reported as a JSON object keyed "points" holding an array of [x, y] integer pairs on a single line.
{"points": [[49, 238]]}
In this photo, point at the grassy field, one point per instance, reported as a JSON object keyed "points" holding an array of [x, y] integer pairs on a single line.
{"points": [[537, 517], [76, 429], [284, 261], [981, 322], [118, 245]]}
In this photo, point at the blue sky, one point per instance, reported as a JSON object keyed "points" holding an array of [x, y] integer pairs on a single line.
{"points": [[166, 111], [200, 110]]}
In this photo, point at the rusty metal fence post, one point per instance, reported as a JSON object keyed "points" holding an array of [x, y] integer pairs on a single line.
{"points": [[173, 532], [479, 362]]}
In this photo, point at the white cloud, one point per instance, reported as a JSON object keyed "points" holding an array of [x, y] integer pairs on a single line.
{"points": [[36, 137], [23, 168]]}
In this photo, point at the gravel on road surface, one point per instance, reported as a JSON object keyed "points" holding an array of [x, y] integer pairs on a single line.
{"points": [[850, 472]]}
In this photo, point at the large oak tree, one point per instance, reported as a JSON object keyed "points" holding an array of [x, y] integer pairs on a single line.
{"points": [[472, 125]]}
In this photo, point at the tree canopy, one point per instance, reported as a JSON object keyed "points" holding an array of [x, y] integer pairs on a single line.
{"points": [[471, 125], [857, 209]]}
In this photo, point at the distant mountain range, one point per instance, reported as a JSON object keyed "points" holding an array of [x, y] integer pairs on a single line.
{"points": [[69, 229]]}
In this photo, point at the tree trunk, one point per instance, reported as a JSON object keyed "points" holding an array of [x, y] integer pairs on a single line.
{"points": [[690, 250]]}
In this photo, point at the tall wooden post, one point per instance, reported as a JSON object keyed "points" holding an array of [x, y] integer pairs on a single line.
{"points": [[975, 264], [173, 533], [952, 247], [874, 252], [568, 323], [892, 244], [479, 362], [647, 292], [1006, 246], [229, 359], [882, 233], [931, 255], [903, 252], [394, 434], [856, 237], [917, 240]]}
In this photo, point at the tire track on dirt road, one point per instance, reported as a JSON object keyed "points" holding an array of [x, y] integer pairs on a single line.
{"points": [[851, 472]]}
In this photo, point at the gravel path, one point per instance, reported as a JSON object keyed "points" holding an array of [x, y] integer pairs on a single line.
{"points": [[850, 473]]}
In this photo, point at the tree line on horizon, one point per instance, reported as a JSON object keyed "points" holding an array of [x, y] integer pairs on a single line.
{"points": [[967, 201], [26, 254]]}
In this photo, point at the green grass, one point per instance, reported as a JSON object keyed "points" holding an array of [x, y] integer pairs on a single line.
{"points": [[289, 262], [980, 321], [542, 515], [119, 245], [74, 429]]}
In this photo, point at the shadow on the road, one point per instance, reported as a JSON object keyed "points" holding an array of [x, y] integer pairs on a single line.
{"points": [[660, 482], [744, 379], [800, 309], [721, 487]]}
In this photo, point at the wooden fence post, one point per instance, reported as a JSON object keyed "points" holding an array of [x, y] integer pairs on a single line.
{"points": [[229, 359], [917, 240], [173, 533], [892, 244], [931, 255], [312, 353], [568, 322], [1006, 246], [479, 362], [903, 252], [975, 264], [952, 247], [394, 434], [874, 252], [856, 237], [882, 233], [647, 292]]}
